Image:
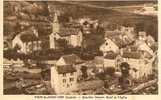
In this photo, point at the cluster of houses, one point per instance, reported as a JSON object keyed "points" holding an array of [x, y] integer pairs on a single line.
{"points": [[120, 45], [66, 73], [137, 51], [71, 34], [30, 40]]}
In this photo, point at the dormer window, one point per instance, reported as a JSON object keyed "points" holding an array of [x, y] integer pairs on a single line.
{"points": [[106, 43]]}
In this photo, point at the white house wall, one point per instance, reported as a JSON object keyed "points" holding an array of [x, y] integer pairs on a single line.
{"points": [[52, 41], [61, 62], [60, 86], [109, 63], [111, 46], [142, 68]]}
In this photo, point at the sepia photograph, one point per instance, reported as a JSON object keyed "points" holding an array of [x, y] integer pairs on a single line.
{"points": [[80, 47]]}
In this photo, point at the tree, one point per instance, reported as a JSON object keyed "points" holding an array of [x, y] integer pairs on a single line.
{"points": [[125, 69], [84, 72], [125, 73]]}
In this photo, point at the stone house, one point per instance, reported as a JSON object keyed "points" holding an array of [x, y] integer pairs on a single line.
{"points": [[115, 40], [139, 66], [63, 79], [71, 59], [27, 41]]}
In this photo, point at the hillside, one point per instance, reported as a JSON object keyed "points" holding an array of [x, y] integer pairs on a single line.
{"points": [[40, 14]]}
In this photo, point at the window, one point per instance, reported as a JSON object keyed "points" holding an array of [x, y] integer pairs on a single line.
{"points": [[64, 80], [106, 43], [64, 75], [71, 79], [72, 73], [68, 85]]}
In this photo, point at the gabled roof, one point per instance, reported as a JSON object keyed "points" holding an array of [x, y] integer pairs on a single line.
{"points": [[71, 59], [120, 38], [150, 38], [121, 41], [28, 35], [118, 41], [147, 55], [65, 69]]}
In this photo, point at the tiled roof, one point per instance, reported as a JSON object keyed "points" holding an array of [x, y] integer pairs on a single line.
{"points": [[117, 37], [112, 33], [28, 37], [65, 69], [110, 55], [71, 59], [118, 41], [134, 55], [68, 31], [131, 48]]}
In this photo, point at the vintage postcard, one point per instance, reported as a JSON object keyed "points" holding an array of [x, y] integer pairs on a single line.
{"points": [[106, 48]]}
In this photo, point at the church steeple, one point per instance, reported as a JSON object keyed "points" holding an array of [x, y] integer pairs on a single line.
{"points": [[55, 18], [55, 24]]}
